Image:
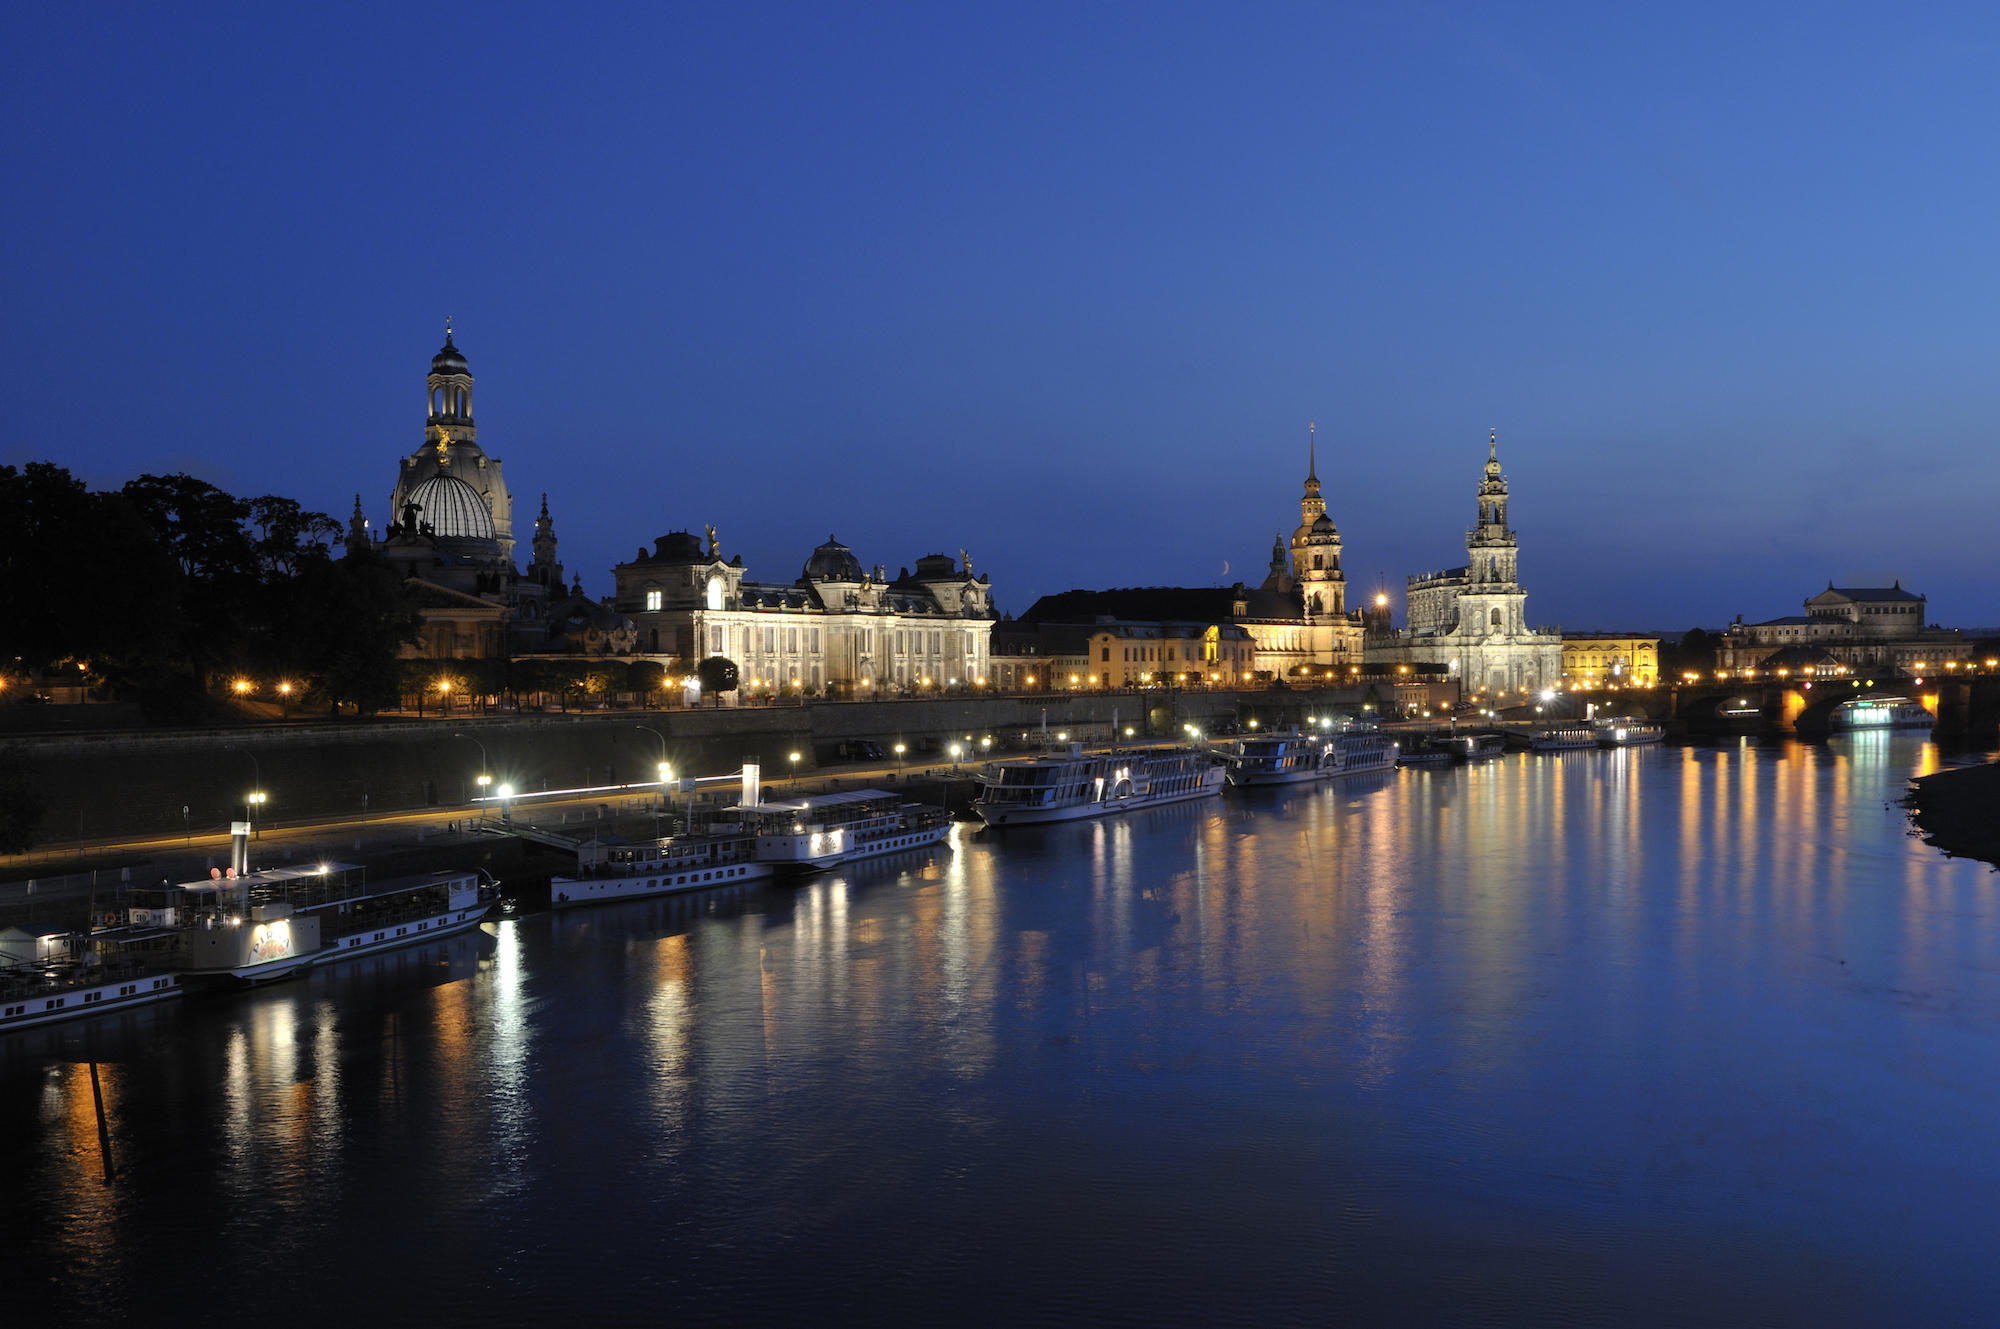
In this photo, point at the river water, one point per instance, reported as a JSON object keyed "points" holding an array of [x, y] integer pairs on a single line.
{"points": [[1688, 1035]]}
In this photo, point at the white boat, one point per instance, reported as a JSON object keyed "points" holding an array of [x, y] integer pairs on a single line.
{"points": [[1880, 713], [50, 973], [725, 856], [811, 834], [1360, 751], [1626, 731], [1072, 786], [1563, 738], [1279, 759], [758, 841], [1296, 757], [261, 927]]}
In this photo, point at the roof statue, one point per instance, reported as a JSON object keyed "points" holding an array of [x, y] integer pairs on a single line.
{"points": [[966, 559], [714, 546]]}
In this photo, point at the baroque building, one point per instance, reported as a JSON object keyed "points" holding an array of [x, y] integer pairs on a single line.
{"points": [[1473, 619], [1312, 633], [838, 627], [450, 533], [1857, 626]]}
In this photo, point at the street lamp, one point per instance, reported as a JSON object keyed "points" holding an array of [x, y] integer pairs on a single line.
{"points": [[506, 812], [482, 779], [899, 761], [954, 756], [794, 759]]}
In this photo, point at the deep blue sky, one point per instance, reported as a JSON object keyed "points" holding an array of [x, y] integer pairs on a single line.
{"points": [[1058, 285]]}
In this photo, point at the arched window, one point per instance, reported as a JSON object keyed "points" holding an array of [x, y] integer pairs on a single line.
{"points": [[715, 593], [1494, 619]]}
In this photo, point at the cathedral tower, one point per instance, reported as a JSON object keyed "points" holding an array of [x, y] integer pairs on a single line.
{"points": [[1316, 548]]}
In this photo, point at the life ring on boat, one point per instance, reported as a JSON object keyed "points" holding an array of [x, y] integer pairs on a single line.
{"points": [[110, 919]]}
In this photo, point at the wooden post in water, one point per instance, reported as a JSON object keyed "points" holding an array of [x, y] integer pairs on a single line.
{"points": [[103, 1128]]}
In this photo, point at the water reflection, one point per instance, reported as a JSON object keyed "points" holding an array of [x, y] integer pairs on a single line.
{"points": [[1636, 1036]]}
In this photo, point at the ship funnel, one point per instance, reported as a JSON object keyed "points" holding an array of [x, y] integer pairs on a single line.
{"points": [[751, 777], [239, 846]]}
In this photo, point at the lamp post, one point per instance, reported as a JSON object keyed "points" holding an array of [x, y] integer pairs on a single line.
{"points": [[482, 779], [899, 762], [665, 771], [255, 798], [794, 759]]}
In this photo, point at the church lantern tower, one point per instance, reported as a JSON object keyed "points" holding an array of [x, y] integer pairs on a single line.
{"points": [[451, 447]]}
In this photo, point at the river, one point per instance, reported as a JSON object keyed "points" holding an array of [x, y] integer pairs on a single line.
{"points": [[1687, 1035]]}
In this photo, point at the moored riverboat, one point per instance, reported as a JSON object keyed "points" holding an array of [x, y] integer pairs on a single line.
{"points": [[1072, 786], [724, 856], [1284, 758], [261, 927], [1564, 738], [1880, 713], [812, 834], [1470, 747], [1625, 731], [1362, 750], [49, 973]]}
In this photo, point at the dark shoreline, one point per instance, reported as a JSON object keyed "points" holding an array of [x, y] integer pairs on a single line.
{"points": [[1958, 811]]}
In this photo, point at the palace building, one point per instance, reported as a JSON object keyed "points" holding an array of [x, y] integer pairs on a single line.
{"points": [[1858, 626], [1473, 619], [838, 627]]}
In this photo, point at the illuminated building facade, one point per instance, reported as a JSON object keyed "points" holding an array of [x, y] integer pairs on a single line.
{"points": [[1299, 615], [838, 627], [1860, 626], [1598, 659], [1065, 643], [1473, 619]]}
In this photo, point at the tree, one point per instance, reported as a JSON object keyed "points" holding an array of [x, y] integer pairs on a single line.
{"points": [[82, 578], [202, 528], [646, 677], [338, 627], [718, 673], [606, 679]]}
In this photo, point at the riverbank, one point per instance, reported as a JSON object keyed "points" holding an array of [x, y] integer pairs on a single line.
{"points": [[1959, 811]]}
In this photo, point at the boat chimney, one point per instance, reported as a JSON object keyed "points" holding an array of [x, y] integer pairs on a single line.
{"points": [[751, 773], [239, 847]]}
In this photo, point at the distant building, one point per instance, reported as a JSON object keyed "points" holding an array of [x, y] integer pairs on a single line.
{"points": [[1593, 659], [1156, 636], [1473, 619], [1861, 627], [837, 627]]}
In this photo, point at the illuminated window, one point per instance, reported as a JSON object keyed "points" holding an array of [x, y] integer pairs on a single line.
{"points": [[715, 593], [653, 599]]}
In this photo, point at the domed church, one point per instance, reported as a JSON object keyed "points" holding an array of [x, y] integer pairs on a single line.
{"points": [[451, 533]]}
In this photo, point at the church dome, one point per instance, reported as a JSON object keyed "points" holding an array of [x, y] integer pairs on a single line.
{"points": [[449, 360], [453, 508], [1322, 527], [834, 561]]}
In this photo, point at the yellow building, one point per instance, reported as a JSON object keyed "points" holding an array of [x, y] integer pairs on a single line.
{"points": [[1595, 660]]}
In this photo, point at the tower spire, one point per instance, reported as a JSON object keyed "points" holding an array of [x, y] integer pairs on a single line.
{"points": [[1312, 450]]}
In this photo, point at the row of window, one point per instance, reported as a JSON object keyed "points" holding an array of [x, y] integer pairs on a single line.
{"points": [[775, 640]]}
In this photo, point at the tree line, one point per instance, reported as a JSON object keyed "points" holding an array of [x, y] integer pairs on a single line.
{"points": [[569, 682], [161, 590]]}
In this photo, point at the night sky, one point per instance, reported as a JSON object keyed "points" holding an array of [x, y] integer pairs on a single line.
{"points": [[1062, 286]]}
